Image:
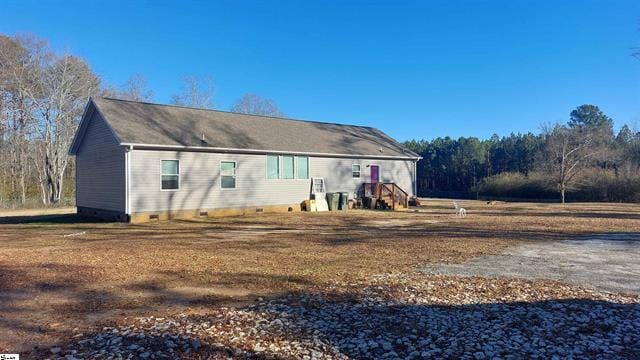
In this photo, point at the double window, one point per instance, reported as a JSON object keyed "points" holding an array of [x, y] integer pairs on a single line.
{"points": [[227, 174], [287, 167], [170, 174]]}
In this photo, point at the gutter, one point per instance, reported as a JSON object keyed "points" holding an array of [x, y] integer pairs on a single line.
{"points": [[257, 151]]}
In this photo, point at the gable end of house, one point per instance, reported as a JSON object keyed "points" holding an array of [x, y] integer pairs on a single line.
{"points": [[91, 114]]}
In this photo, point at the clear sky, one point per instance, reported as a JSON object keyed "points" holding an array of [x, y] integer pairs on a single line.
{"points": [[415, 69]]}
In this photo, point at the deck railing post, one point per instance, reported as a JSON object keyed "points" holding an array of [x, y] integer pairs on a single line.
{"points": [[379, 190]]}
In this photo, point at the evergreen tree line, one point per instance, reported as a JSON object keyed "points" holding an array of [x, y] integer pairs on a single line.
{"points": [[580, 160]]}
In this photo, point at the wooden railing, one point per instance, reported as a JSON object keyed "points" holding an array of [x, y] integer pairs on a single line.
{"points": [[390, 192]]}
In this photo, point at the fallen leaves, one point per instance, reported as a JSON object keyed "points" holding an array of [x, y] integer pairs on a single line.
{"points": [[110, 268]]}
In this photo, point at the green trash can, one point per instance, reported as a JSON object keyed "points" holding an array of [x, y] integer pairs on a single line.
{"points": [[333, 200], [344, 201]]}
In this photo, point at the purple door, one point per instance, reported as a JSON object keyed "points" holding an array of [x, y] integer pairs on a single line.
{"points": [[375, 173]]}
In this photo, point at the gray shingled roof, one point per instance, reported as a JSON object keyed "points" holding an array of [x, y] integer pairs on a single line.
{"points": [[166, 125]]}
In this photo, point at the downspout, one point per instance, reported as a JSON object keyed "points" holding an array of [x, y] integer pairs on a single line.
{"points": [[415, 177], [127, 161]]}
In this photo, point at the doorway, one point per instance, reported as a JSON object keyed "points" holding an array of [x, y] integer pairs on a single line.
{"points": [[375, 174]]}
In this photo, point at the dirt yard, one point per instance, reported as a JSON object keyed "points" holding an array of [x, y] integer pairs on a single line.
{"points": [[64, 278]]}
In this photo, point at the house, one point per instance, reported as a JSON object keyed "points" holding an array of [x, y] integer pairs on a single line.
{"points": [[139, 161]]}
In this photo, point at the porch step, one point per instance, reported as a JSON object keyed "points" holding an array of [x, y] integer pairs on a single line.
{"points": [[388, 196]]}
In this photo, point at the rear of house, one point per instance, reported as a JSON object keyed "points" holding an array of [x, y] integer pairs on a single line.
{"points": [[139, 161]]}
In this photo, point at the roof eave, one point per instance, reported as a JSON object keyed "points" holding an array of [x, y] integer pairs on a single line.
{"points": [[77, 137], [261, 151], [88, 112]]}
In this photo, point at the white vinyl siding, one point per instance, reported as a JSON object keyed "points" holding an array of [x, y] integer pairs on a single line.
{"points": [[200, 181], [100, 168], [339, 177]]}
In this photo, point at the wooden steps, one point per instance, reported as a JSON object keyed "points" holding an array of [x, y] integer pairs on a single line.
{"points": [[388, 196]]}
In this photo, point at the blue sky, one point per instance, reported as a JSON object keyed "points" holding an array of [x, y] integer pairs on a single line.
{"points": [[416, 69]]}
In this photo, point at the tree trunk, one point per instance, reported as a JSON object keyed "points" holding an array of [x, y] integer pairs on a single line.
{"points": [[562, 188], [43, 192], [23, 189]]}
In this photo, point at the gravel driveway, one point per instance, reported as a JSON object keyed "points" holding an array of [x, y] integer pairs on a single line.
{"points": [[609, 262], [389, 317]]}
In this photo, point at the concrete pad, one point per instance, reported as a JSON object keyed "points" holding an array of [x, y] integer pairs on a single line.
{"points": [[608, 262]]}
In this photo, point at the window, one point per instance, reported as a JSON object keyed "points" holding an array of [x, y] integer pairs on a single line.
{"points": [[355, 170], [287, 167], [170, 175], [273, 163], [228, 174], [302, 168]]}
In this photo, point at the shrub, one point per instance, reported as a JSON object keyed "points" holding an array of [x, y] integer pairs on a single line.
{"points": [[592, 185], [604, 185], [517, 185]]}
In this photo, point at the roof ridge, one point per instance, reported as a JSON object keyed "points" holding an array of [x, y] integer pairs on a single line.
{"points": [[160, 123], [234, 113]]}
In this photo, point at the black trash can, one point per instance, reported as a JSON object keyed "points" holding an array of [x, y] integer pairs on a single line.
{"points": [[333, 200], [344, 201]]}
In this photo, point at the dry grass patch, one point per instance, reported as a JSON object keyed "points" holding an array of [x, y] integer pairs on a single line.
{"points": [[51, 283]]}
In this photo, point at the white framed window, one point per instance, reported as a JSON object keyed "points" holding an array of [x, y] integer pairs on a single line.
{"points": [[302, 167], [355, 170], [287, 167], [273, 167], [228, 174], [169, 175]]}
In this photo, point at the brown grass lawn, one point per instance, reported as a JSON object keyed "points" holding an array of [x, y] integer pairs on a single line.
{"points": [[51, 284]]}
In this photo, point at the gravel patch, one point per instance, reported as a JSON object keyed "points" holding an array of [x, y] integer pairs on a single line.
{"points": [[608, 262], [389, 317]]}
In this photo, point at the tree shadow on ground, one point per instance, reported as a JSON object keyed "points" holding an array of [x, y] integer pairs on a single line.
{"points": [[252, 232], [618, 238], [357, 323], [572, 214], [49, 219], [39, 305], [32, 304], [362, 326]]}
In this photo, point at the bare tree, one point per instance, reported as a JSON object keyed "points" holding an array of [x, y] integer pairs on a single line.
{"points": [[136, 89], [256, 105], [567, 152], [42, 96], [20, 61], [67, 84], [4, 149], [198, 93]]}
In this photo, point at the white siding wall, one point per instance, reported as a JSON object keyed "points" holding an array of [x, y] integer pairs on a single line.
{"points": [[200, 180], [100, 169], [338, 177]]}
